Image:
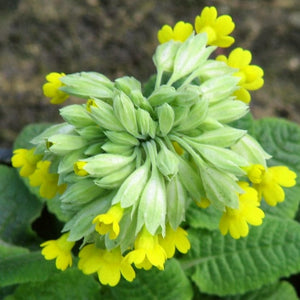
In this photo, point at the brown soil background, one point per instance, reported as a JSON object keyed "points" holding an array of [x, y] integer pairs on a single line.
{"points": [[118, 37]]}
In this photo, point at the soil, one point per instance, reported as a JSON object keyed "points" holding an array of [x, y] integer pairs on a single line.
{"points": [[118, 37]]}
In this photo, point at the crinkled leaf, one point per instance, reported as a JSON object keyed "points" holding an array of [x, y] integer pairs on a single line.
{"points": [[269, 252], [169, 284], [18, 208], [70, 284]]}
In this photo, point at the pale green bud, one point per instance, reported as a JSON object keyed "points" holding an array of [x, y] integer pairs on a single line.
{"points": [[221, 158], [176, 202], [93, 132], [126, 84], [249, 148], [140, 101], [228, 111], [93, 149], [164, 94], [191, 180], [221, 189], [76, 115], [167, 162], [190, 55], [122, 138], [213, 68], [81, 192], [219, 88], [116, 178], [153, 204], [114, 148], [166, 117], [222, 137], [67, 161], [131, 189], [87, 85], [81, 224], [125, 112], [62, 144], [187, 95], [165, 54], [103, 164], [197, 114], [103, 115], [145, 123], [181, 113]]}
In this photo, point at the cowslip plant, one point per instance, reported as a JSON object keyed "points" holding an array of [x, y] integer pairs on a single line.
{"points": [[173, 177]]}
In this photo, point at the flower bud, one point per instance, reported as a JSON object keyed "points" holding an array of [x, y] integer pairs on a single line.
{"points": [[114, 148], [145, 123], [87, 85], [164, 94], [165, 118], [167, 162], [125, 112], [176, 202], [126, 84], [122, 138], [62, 144], [76, 115], [164, 56]]}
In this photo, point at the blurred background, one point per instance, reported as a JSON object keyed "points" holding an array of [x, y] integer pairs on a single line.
{"points": [[118, 37]]}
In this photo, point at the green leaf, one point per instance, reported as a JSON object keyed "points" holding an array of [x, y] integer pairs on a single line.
{"points": [[281, 139], [28, 133], [277, 291], [207, 218], [70, 284], [222, 265], [18, 208], [8, 250], [27, 267], [169, 284]]}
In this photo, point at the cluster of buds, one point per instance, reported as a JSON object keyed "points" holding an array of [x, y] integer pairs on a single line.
{"points": [[128, 164]]}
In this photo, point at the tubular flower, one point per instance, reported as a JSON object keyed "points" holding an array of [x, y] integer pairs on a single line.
{"points": [[180, 32], [174, 239], [48, 182], [26, 160], [59, 249], [148, 252], [216, 28], [235, 221], [109, 222], [269, 181], [250, 75], [109, 265], [51, 88]]}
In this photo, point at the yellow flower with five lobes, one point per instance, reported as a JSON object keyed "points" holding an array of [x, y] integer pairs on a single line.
{"points": [[235, 221], [216, 28], [269, 182], [51, 88], [109, 265], [180, 32], [251, 76], [109, 222], [174, 239], [26, 160], [147, 251], [60, 250]]}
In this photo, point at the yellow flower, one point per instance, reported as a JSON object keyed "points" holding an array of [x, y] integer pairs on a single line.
{"points": [[26, 160], [203, 203], [250, 75], [108, 264], [269, 181], [51, 88], [78, 168], [174, 239], [217, 28], [235, 221], [180, 32], [59, 249], [148, 252], [47, 181], [109, 222]]}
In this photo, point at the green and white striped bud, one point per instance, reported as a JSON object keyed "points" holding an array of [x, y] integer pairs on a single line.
{"points": [[166, 117]]}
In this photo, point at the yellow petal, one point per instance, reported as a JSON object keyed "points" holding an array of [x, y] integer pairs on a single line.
{"points": [[283, 176]]}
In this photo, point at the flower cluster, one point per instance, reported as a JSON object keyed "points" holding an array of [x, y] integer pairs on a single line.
{"points": [[131, 161], [218, 30]]}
